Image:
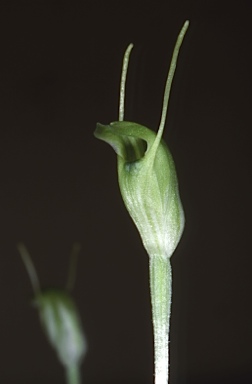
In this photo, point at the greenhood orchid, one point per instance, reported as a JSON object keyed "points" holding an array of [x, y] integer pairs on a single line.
{"points": [[146, 172], [149, 188], [59, 317]]}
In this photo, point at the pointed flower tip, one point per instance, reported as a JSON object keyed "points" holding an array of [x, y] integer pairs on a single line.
{"points": [[108, 134]]}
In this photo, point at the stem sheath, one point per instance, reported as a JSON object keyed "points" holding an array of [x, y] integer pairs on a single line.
{"points": [[160, 289]]}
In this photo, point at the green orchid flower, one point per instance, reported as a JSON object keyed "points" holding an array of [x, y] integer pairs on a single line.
{"points": [[148, 184], [59, 317], [146, 173], [149, 188]]}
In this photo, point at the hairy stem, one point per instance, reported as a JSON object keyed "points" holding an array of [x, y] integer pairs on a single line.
{"points": [[160, 289]]}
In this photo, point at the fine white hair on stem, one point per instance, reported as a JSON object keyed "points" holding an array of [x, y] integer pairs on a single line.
{"points": [[123, 81], [29, 267]]}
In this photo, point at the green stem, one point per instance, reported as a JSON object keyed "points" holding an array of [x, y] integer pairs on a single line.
{"points": [[160, 288], [73, 374]]}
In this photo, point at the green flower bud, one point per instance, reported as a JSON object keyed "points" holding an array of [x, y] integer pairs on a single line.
{"points": [[59, 316], [61, 323], [148, 184], [146, 172]]}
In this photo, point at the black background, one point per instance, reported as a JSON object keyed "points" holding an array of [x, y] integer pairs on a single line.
{"points": [[60, 64]]}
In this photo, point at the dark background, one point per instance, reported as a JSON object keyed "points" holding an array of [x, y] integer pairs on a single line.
{"points": [[60, 64]]}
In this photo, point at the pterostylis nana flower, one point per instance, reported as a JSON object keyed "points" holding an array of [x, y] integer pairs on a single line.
{"points": [[149, 188], [59, 317]]}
